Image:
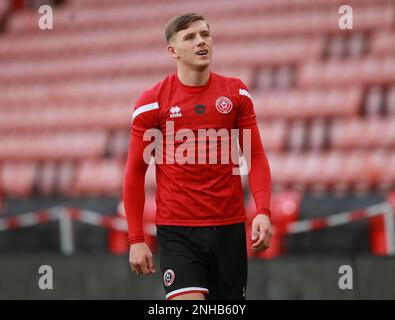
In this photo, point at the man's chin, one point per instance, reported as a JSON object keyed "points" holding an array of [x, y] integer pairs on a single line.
{"points": [[202, 66]]}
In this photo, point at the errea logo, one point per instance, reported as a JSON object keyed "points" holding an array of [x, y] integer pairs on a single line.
{"points": [[175, 112]]}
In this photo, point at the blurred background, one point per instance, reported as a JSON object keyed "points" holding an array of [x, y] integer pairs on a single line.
{"points": [[325, 102]]}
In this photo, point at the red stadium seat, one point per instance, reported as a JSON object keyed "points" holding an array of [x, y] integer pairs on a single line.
{"points": [[118, 144], [311, 167], [265, 79], [46, 180], [374, 170], [337, 46], [351, 170], [331, 169], [374, 101], [390, 101], [17, 179], [286, 176], [297, 135], [54, 146], [102, 178], [382, 44], [273, 135], [317, 135], [357, 45], [387, 180], [276, 161], [66, 178]]}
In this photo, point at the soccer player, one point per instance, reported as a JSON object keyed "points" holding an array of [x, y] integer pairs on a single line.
{"points": [[200, 211]]}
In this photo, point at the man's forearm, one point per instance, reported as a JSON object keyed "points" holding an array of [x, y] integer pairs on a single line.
{"points": [[260, 184], [133, 189], [259, 172]]}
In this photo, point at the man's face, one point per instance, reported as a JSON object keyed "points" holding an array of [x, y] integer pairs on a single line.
{"points": [[193, 46]]}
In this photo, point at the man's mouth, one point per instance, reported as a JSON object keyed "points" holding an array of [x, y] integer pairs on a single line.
{"points": [[202, 52]]}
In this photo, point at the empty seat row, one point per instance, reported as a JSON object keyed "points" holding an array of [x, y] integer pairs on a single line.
{"points": [[58, 145], [338, 171], [368, 71], [308, 103], [379, 101], [40, 130], [92, 92], [269, 4], [86, 178], [54, 118], [346, 45], [86, 92], [356, 133], [152, 60], [382, 43], [54, 45], [334, 170], [301, 20], [109, 65], [101, 178]]}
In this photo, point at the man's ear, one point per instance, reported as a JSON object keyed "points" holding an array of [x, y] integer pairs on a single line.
{"points": [[172, 51]]}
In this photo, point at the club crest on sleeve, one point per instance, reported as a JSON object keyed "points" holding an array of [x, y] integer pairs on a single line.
{"points": [[224, 105], [168, 277]]}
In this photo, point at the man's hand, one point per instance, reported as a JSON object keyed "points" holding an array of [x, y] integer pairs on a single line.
{"points": [[141, 259], [261, 233]]}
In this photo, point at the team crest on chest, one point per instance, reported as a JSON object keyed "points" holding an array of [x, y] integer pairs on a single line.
{"points": [[168, 277], [224, 105]]}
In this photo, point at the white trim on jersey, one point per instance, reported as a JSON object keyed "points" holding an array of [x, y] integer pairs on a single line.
{"points": [[175, 292], [144, 108], [244, 92]]}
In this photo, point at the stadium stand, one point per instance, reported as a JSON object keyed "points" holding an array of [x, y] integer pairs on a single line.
{"points": [[324, 97]]}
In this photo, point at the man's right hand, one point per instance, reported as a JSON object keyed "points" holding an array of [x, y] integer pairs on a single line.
{"points": [[141, 259]]}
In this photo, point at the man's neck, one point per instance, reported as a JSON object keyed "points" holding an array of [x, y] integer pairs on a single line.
{"points": [[193, 77]]}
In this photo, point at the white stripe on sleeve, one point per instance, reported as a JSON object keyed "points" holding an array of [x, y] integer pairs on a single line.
{"points": [[244, 92], [144, 108]]}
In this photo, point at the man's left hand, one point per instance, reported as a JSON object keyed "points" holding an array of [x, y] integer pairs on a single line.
{"points": [[261, 233]]}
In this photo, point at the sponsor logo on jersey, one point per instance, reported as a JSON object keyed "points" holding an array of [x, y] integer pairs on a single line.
{"points": [[168, 277], [224, 105], [200, 108], [175, 112]]}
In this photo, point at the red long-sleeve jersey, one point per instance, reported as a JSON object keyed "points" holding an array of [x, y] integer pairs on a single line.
{"points": [[192, 188]]}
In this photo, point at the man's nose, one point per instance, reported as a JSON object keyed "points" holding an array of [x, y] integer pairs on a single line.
{"points": [[201, 41]]}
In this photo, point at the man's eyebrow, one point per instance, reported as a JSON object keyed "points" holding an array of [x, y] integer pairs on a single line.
{"points": [[188, 34], [191, 33]]}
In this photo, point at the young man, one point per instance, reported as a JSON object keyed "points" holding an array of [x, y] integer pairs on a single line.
{"points": [[200, 211]]}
